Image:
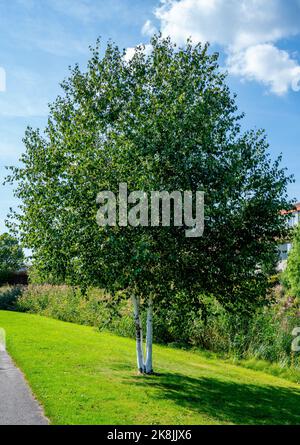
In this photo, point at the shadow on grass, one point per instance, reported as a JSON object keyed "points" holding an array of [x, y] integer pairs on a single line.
{"points": [[226, 401]]}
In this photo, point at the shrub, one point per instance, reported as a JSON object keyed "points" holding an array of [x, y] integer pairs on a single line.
{"points": [[265, 334], [9, 296]]}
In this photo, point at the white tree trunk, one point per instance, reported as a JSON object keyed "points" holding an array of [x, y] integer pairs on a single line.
{"points": [[138, 333], [2, 340], [149, 338]]}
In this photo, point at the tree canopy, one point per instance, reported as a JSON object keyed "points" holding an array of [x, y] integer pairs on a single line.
{"points": [[163, 121]]}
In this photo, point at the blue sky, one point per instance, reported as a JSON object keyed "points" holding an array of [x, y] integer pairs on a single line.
{"points": [[258, 40]]}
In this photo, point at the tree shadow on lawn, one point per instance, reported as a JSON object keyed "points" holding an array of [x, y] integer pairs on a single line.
{"points": [[226, 401]]}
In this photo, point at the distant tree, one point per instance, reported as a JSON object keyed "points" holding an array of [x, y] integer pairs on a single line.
{"points": [[166, 121], [291, 276], [11, 255]]}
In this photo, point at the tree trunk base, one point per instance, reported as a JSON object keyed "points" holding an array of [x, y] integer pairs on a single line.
{"points": [[143, 372]]}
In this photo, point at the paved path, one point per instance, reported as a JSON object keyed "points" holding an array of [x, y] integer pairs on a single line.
{"points": [[17, 405]]}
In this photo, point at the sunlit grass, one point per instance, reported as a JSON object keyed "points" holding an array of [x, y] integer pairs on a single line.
{"points": [[82, 376]]}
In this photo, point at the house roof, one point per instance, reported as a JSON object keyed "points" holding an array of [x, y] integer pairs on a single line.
{"points": [[295, 209]]}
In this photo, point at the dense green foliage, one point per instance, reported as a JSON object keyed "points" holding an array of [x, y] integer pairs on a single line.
{"points": [[11, 256], [9, 297], [82, 376], [166, 121], [266, 335], [291, 276]]}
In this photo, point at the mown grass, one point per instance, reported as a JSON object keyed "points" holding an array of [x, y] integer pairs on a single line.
{"points": [[82, 376]]}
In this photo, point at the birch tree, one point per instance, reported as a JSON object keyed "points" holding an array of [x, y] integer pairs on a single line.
{"points": [[165, 121]]}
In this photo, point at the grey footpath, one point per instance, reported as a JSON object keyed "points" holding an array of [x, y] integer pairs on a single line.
{"points": [[17, 404]]}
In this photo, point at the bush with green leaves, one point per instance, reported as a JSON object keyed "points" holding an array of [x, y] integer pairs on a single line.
{"points": [[291, 276], [9, 296], [265, 335], [11, 256]]}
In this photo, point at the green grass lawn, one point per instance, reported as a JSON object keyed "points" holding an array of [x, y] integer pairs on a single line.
{"points": [[82, 376]]}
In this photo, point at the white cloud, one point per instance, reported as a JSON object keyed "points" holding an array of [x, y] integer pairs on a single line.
{"points": [[234, 23], [129, 54], [148, 29], [248, 31], [130, 51], [266, 64]]}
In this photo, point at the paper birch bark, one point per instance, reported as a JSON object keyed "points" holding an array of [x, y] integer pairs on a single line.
{"points": [[149, 338], [138, 333]]}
